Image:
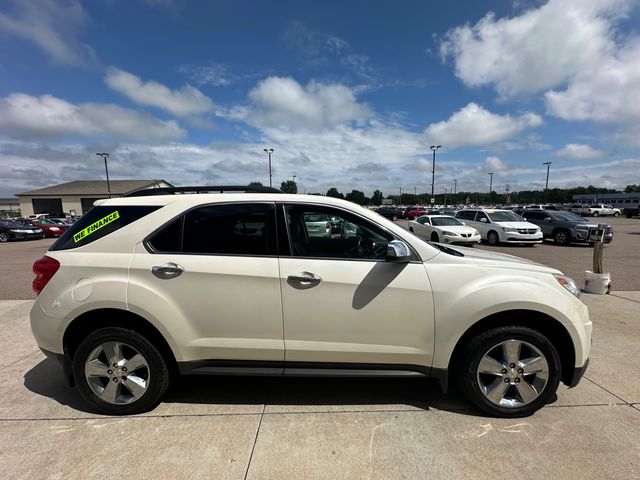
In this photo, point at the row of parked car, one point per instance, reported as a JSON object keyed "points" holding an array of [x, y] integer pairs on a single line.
{"points": [[33, 228], [495, 226]]}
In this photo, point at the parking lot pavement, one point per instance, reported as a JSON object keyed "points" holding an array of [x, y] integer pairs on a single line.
{"points": [[266, 428]]}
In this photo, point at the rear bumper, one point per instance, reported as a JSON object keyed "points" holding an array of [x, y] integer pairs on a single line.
{"points": [[64, 362]]}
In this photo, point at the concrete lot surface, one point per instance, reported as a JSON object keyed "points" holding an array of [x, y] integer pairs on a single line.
{"points": [[281, 428]]}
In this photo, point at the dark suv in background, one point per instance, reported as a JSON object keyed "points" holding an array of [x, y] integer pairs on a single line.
{"points": [[564, 227]]}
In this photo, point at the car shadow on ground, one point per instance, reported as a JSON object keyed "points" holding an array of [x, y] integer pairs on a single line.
{"points": [[372, 394]]}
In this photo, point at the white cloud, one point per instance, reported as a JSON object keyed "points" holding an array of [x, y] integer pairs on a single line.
{"points": [[185, 102], [473, 125], [283, 103], [495, 164], [213, 74], [578, 151], [607, 93], [27, 117], [53, 27], [537, 50]]}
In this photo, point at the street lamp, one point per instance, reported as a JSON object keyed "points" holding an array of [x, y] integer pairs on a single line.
{"points": [[106, 169], [546, 185], [434, 148], [455, 186], [490, 182], [269, 151]]}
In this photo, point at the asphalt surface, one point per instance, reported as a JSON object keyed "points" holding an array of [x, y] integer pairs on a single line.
{"points": [[291, 428], [621, 259]]}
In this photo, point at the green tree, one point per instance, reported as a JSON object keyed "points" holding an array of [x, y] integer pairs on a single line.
{"points": [[632, 188], [255, 184], [289, 186], [376, 198], [333, 192], [356, 196]]}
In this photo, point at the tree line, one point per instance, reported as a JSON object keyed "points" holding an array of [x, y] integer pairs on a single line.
{"points": [[552, 195]]}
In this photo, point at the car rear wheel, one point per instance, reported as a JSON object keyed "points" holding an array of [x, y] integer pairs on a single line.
{"points": [[119, 372], [510, 371], [394, 218], [434, 237], [616, 214], [493, 238], [561, 237], [4, 237], [596, 214]]}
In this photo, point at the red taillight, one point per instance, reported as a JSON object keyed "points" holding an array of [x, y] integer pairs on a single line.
{"points": [[44, 268]]}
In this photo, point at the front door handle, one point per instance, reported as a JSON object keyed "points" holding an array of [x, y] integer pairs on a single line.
{"points": [[303, 280], [167, 271]]}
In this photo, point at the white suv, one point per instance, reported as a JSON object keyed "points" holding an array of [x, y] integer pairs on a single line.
{"points": [[501, 226], [146, 287]]}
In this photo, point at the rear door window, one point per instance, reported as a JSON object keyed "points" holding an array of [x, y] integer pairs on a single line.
{"points": [[99, 222]]}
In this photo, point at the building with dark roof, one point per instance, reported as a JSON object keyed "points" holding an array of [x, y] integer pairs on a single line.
{"points": [[77, 197]]}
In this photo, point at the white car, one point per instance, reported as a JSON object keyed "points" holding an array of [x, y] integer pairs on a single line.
{"points": [[445, 229], [156, 284], [501, 226]]}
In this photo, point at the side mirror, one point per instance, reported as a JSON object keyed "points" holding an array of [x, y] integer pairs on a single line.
{"points": [[464, 223], [548, 219], [483, 220], [398, 251]]}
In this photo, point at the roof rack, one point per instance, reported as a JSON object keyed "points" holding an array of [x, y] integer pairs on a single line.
{"points": [[202, 189]]}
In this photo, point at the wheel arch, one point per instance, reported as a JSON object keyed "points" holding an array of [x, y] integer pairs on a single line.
{"points": [[90, 321], [548, 326]]}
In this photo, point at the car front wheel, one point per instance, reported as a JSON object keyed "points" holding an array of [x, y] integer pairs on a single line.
{"points": [[493, 238], [119, 372], [4, 237], [510, 371], [561, 238]]}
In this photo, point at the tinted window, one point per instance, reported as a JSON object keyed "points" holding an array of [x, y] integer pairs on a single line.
{"points": [[534, 215], [346, 236], [235, 229], [169, 238], [446, 221], [466, 215], [99, 222]]}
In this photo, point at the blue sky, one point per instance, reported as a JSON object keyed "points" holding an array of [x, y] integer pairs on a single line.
{"points": [[349, 94]]}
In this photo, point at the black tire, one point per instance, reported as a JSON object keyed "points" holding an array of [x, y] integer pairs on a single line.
{"points": [[561, 237], [616, 214], [156, 370], [4, 237], [493, 238], [596, 214], [394, 218], [471, 382], [434, 237]]}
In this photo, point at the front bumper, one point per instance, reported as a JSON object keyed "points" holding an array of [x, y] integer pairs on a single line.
{"points": [[577, 374]]}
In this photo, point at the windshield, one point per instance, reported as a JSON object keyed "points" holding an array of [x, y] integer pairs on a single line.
{"points": [[504, 216], [567, 217], [444, 221]]}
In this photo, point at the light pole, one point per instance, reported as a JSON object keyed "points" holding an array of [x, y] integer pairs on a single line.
{"points": [[445, 197], [269, 151], [455, 186], [490, 184], [106, 169], [546, 184], [434, 148]]}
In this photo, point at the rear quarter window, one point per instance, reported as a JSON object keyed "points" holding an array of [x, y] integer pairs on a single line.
{"points": [[99, 222]]}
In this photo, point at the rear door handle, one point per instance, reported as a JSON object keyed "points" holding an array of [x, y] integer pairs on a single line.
{"points": [[304, 280], [167, 271]]}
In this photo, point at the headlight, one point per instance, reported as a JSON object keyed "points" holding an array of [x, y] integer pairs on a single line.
{"points": [[55, 229], [476, 232], [569, 284], [508, 229], [451, 234]]}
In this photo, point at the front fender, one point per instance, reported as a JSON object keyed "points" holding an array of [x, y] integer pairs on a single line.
{"points": [[459, 306]]}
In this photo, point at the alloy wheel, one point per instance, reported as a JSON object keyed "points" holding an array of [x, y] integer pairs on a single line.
{"points": [[512, 373], [117, 373]]}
